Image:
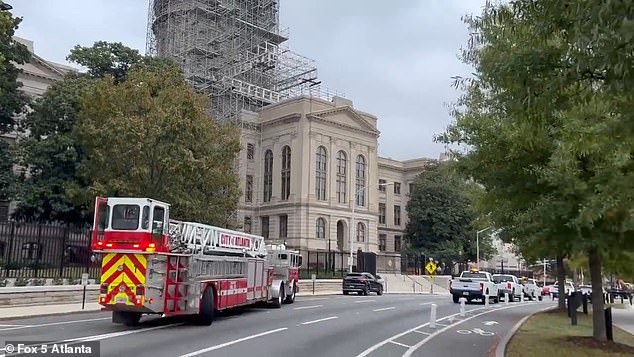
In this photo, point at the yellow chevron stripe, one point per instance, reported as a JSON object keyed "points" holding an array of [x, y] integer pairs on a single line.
{"points": [[113, 269]]}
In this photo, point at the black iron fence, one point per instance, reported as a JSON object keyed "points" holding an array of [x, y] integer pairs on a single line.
{"points": [[29, 250], [323, 264]]}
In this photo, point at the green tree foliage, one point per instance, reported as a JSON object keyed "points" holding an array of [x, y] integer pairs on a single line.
{"points": [[106, 58], [12, 100], [52, 154], [547, 118], [53, 191], [150, 136], [441, 221]]}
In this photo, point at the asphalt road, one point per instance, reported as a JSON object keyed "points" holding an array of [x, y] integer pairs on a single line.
{"points": [[312, 326]]}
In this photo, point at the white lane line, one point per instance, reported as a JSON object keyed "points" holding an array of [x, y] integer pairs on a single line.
{"points": [[384, 342], [421, 343], [320, 320], [400, 344], [362, 301], [422, 332], [307, 307], [406, 299], [217, 347], [384, 309], [72, 341], [315, 299], [11, 325], [17, 327]]}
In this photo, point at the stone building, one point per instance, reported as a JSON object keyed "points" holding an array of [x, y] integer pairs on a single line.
{"points": [[312, 178]]}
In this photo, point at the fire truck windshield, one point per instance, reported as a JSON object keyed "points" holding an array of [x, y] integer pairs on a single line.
{"points": [[125, 217]]}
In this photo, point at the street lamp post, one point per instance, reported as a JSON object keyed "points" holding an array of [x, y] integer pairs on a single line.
{"points": [[353, 229], [478, 246]]}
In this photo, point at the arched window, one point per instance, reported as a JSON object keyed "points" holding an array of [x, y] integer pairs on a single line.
{"points": [[286, 172], [360, 232], [321, 228], [342, 169], [320, 174], [268, 175], [360, 186]]}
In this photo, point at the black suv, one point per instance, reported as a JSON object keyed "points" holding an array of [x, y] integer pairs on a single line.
{"points": [[361, 283]]}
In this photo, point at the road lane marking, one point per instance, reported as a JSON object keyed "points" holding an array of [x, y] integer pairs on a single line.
{"points": [[406, 299], [386, 341], [426, 303], [314, 299], [217, 347], [362, 301], [320, 320], [400, 344], [384, 309], [413, 349], [72, 341], [422, 332], [20, 327], [307, 307], [11, 325]]}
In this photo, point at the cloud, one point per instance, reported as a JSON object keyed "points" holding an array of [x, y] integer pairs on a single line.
{"points": [[393, 59]]}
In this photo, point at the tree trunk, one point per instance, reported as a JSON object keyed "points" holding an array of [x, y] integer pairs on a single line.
{"points": [[561, 282], [598, 318]]}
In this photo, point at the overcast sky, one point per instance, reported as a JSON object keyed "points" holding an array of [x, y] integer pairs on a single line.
{"points": [[393, 59]]}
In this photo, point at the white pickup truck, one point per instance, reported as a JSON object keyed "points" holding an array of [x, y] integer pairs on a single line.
{"points": [[531, 289], [473, 285], [508, 284]]}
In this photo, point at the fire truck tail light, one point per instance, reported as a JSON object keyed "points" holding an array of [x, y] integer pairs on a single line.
{"points": [[109, 245], [103, 289], [139, 301], [136, 246], [102, 299], [140, 290]]}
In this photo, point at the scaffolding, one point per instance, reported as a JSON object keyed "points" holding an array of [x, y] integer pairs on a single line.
{"points": [[232, 50]]}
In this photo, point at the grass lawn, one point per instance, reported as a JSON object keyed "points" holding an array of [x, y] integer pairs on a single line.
{"points": [[550, 333]]}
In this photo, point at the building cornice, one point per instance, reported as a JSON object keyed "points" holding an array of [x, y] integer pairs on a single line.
{"points": [[284, 119], [316, 118]]}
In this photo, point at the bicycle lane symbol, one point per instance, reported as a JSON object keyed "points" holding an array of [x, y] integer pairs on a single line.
{"points": [[476, 331]]}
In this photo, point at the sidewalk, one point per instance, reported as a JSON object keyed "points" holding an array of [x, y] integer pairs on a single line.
{"points": [[42, 310]]}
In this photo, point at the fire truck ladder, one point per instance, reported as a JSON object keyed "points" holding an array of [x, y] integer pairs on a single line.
{"points": [[205, 239]]}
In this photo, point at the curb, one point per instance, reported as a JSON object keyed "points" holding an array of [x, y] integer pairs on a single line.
{"points": [[500, 350], [47, 314]]}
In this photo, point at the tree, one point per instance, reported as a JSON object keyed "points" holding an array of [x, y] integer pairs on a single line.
{"points": [[106, 58], [12, 100], [52, 154], [53, 190], [547, 118], [440, 219], [150, 136]]}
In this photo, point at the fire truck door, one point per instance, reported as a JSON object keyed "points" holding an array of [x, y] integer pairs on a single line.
{"points": [[259, 275], [251, 280]]}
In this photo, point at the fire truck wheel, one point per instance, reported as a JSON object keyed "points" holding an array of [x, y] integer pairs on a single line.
{"points": [[277, 303], [291, 298], [206, 315]]}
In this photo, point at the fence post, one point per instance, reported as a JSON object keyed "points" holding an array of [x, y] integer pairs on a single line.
{"points": [[61, 262], [11, 248], [39, 252]]}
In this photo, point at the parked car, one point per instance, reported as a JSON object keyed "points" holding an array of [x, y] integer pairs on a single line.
{"points": [[362, 284], [508, 284], [568, 287]]}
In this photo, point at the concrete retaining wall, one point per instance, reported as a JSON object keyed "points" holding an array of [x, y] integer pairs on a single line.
{"points": [[65, 294]]}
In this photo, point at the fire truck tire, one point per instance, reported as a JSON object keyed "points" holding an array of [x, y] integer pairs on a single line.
{"points": [[291, 298], [277, 303], [206, 314]]}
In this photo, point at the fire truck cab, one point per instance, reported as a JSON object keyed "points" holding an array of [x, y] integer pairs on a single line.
{"points": [[286, 264]]}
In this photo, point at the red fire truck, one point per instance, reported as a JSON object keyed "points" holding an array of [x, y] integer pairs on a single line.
{"points": [[154, 265]]}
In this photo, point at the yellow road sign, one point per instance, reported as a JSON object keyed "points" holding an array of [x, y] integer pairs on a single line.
{"points": [[430, 267]]}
